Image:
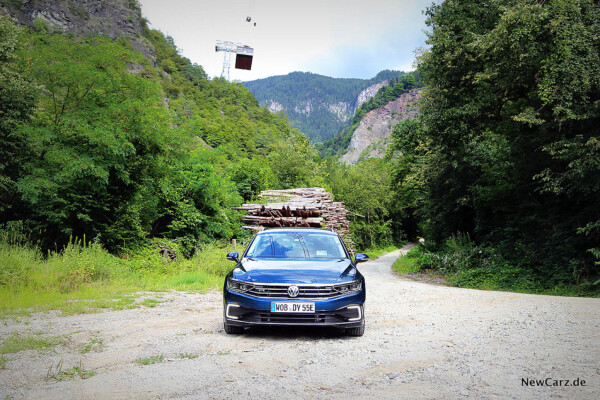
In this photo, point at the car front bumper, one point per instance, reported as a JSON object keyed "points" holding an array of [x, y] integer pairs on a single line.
{"points": [[342, 311]]}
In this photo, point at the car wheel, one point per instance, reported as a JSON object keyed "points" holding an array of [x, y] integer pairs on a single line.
{"points": [[356, 331], [232, 329]]}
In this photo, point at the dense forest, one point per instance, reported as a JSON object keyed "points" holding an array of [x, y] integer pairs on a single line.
{"points": [[310, 100], [499, 173]]}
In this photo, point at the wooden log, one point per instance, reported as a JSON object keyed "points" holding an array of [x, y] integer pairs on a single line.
{"points": [[253, 227], [303, 207], [288, 219]]}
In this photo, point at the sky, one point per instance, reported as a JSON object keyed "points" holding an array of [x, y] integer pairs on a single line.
{"points": [[336, 38]]}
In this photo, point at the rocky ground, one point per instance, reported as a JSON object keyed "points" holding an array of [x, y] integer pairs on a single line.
{"points": [[422, 341]]}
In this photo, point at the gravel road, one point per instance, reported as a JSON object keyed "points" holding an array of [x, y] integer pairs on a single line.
{"points": [[422, 341]]}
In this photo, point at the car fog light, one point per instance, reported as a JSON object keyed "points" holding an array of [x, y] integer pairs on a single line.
{"points": [[231, 308], [358, 311]]}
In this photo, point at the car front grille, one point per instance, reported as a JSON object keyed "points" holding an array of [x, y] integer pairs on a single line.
{"points": [[305, 291], [341, 316], [325, 317], [298, 318]]}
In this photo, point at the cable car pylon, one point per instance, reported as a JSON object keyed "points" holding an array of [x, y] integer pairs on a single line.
{"points": [[243, 56]]}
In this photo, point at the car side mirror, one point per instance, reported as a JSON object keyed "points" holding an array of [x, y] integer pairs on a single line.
{"points": [[360, 257], [234, 256]]}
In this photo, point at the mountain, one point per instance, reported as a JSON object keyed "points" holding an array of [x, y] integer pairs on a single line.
{"points": [[371, 137], [317, 105], [368, 133]]}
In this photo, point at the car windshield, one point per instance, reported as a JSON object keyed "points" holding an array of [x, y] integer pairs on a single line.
{"points": [[296, 245]]}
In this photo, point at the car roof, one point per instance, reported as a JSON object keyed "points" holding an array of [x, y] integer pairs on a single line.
{"points": [[304, 230]]}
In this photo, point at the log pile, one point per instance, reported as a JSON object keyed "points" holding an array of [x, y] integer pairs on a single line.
{"points": [[302, 207]]}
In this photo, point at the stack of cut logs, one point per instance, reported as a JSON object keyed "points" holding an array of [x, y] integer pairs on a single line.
{"points": [[302, 207]]}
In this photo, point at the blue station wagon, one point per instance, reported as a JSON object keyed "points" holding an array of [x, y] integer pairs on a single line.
{"points": [[295, 276]]}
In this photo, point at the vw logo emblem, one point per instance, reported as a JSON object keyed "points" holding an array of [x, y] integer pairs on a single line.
{"points": [[293, 291]]}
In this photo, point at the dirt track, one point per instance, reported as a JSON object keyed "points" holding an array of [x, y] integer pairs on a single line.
{"points": [[422, 341]]}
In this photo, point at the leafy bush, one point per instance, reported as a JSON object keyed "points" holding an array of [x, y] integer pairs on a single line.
{"points": [[80, 263], [251, 177], [467, 264], [364, 190]]}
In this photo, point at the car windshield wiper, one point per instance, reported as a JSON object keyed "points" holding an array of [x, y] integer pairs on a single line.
{"points": [[304, 247]]}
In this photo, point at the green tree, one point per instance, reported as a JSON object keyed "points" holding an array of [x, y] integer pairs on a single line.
{"points": [[97, 139], [365, 190], [511, 119], [409, 160], [251, 177], [195, 203], [293, 163], [17, 100]]}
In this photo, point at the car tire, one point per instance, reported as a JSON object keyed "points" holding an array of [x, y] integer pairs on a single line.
{"points": [[232, 329], [356, 331]]}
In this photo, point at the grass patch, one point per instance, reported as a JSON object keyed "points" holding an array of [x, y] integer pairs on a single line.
{"points": [[85, 278], [187, 356], [73, 372], [150, 302], [89, 306], [94, 344], [407, 263], [16, 343], [58, 374], [3, 361], [377, 252], [150, 360]]}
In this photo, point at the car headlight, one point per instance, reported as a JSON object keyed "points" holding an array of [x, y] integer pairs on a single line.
{"points": [[348, 288], [237, 286]]}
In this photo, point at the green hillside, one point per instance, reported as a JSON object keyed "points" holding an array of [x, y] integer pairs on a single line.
{"points": [[100, 143], [309, 100]]}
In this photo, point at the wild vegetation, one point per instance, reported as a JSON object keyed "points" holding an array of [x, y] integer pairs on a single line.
{"points": [[101, 144], [84, 278], [500, 173], [106, 158]]}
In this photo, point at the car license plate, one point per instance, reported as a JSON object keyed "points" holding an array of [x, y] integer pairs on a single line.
{"points": [[293, 307]]}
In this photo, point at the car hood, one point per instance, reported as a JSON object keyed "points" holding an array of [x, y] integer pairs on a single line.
{"points": [[295, 271]]}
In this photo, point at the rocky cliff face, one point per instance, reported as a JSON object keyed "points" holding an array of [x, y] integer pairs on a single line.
{"points": [[112, 18], [319, 106], [371, 137], [368, 94]]}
